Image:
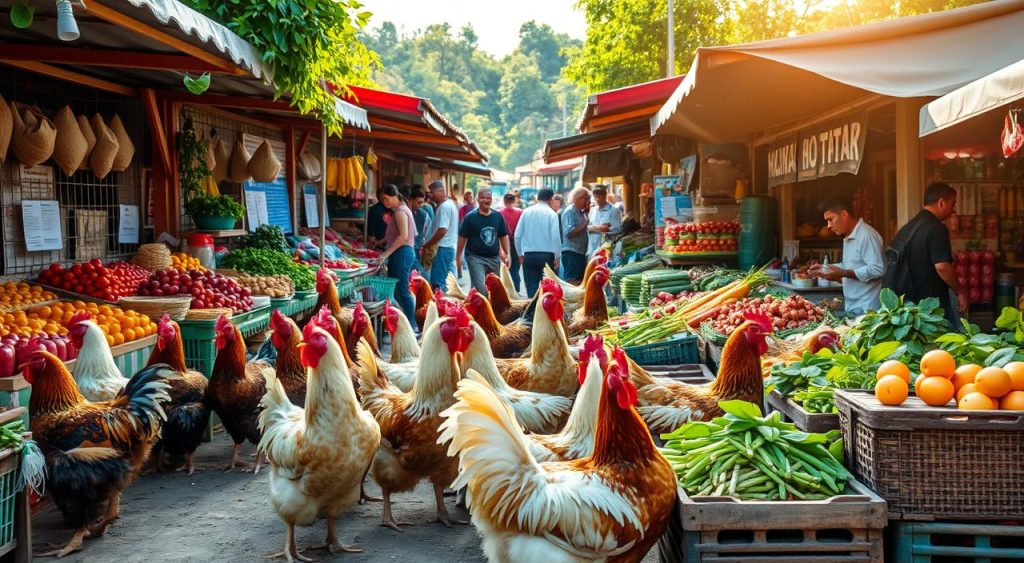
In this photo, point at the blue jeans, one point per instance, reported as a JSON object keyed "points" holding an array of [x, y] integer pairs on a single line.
{"points": [[533, 269], [399, 266], [573, 265], [513, 270], [444, 262]]}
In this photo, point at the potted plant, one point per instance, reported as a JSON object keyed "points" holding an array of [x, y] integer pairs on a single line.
{"points": [[214, 212]]}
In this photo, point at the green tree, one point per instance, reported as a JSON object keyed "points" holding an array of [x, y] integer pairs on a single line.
{"points": [[523, 91], [547, 47]]}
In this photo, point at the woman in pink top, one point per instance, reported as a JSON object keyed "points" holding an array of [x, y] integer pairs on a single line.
{"points": [[399, 253], [511, 213]]}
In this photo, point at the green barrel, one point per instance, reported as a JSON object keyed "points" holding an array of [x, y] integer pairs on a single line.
{"points": [[759, 231], [1006, 290]]}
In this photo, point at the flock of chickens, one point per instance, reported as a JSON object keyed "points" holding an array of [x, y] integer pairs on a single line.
{"points": [[551, 441]]}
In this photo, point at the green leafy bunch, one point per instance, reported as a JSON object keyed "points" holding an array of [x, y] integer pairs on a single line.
{"points": [[270, 237], [810, 370], [214, 206], [914, 325], [976, 347], [192, 168], [264, 262], [1011, 323], [856, 366], [307, 42]]}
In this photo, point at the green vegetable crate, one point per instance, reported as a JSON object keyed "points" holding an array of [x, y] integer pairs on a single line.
{"points": [[680, 349], [933, 542], [806, 421], [380, 288], [198, 337], [296, 305], [14, 525], [840, 529]]}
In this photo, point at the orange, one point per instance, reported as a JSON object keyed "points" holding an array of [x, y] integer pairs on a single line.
{"points": [[938, 362], [894, 367], [936, 390], [129, 334], [965, 374], [977, 402], [1016, 372], [891, 390], [118, 339], [993, 381], [1013, 401], [917, 384], [110, 340]]}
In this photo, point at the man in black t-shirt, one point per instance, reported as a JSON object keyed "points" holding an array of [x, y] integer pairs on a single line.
{"points": [[484, 237], [929, 254]]}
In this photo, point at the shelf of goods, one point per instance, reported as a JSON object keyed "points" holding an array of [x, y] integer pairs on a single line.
{"points": [[845, 527], [807, 421], [198, 336], [900, 452]]}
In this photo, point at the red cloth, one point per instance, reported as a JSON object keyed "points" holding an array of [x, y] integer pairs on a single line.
{"points": [[511, 215], [464, 210]]}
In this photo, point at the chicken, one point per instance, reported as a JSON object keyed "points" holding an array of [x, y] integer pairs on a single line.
{"points": [[506, 341], [594, 312], [409, 421], [665, 404], [325, 286], [93, 450], [505, 310], [574, 294], [405, 351], [288, 367], [327, 321], [454, 289], [550, 368], [420, 289], [235, 390], [510, 288], [187, 416], [95, 372], [537, 412], [430, 317], [610, 506], [358, 329], [319, 452]]}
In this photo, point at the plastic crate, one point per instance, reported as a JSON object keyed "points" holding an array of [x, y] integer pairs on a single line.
{"points": [[806, 421], [198, 337], [841, 529], [935, 542], [346, 288], [380, 288], [680, 349], [10, 474], [932, 463]]}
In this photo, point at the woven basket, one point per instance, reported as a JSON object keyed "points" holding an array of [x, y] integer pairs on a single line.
{"points": [[33, 136], [156, 307], [207, 314], [70, 147], [101, 161], [90, 140], [153, 257], [238, 170], [309, 167], [125, 147], [264, 166], [6, 128], [222, 160]]}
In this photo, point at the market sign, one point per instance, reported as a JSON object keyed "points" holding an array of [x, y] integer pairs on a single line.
{"points": [[824, 150]]}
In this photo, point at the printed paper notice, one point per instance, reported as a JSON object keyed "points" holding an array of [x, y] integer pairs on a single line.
{"points": [[312, 213], [41, 220], [668, 207], [128, 225], [256, 208]]}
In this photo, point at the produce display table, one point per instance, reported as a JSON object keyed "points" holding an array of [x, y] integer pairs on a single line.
{"points": [[813, 294], [806, 421]]}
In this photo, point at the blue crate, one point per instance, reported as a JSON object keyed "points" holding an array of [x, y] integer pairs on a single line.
{"points": [[927, 542], [680, 349]]}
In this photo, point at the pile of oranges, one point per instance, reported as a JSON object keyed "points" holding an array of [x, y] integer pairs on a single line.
{"points": [[17, 295], [183, 262], [118, 325], [972, 386]]}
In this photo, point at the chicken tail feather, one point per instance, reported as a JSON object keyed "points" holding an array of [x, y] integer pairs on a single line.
{"points": [[453, 287], [370, 375], [143, 398]]}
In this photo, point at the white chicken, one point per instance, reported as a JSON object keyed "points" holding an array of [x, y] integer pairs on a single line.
{"points": [[405, 351], [510, 288], [95, 373]]}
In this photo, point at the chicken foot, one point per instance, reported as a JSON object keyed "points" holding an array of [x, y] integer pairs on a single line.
{"points": [[75, 544], [237, 460], [363, 497], [389, 520], [113, 512], [332, 544], [442, 512], [189, 466], [291, 552]]}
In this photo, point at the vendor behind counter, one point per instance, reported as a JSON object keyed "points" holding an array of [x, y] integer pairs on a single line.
{"points": [[862, 265]]}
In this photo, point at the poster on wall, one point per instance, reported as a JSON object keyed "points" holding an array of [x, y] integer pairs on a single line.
{"points": [[311, 205], [826, 149], [128, 224], [273, 200], [41, 221]]}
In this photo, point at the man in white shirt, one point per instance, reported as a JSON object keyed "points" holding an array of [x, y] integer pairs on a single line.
{"points": [[605, 220], [445, 236], [537, 239], [863, 265]]}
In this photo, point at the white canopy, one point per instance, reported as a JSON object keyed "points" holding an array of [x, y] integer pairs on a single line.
{"points": [[989, 93], [739, 90]]}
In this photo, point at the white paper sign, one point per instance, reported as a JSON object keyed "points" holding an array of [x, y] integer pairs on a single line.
{"points": [[128, 225], [668, 207], [312, 213], [41, 221], [256, 207]]}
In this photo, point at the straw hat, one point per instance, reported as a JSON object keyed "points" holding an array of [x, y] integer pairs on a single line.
{"points": [[125, 147], [6, 128], [239, 168], [71, 146], [264, 166], [33, 136], [103, 154], [309, 167], [222, 160], [90, 139]]}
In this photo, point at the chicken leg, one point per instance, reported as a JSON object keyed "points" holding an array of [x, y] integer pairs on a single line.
{"points": [[389, 520], [113, 512], [363, 497], [189, 466], [72, 546], [442, 512], [291, 552], [332, 544]]}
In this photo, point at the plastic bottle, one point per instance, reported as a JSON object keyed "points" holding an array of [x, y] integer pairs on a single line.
{"points": [[785, 271], [822, 282]]}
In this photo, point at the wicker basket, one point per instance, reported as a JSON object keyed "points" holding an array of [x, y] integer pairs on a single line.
{"points": [[71, 145], [156, 307], [153, 257], [90, 140], [125, 148], [103, 154], [264, 166], [207, 314], [6, 128]]}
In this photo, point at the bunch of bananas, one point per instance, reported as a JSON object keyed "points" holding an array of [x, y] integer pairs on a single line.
{"points": [[345, 175]]}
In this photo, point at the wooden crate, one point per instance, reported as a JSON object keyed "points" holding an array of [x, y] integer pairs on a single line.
{"points": [[806, 421]]}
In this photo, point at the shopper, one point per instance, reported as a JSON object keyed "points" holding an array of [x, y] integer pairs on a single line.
{"points": [[376, 223], [925, 246], [483, 237], [400, 238], [556, 203], [467, 205], [511, 213], [537, 237], [862, 266], [575, 220], [445, 236], [605, 220], [422, 217]]}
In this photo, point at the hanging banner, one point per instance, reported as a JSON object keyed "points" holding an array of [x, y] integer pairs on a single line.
{"points": [[782, 161], [826, 149]]}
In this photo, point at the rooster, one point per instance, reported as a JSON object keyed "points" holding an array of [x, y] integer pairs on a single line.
{"points": [[360, 328], [288, 367], [325, 286], [666, 404], [320, 452], [93, 450], [510, 288], [537, 412], [610, 506], [454, 289], [430, 317], [327, 321], [187, 416], [420, 289], [506, 341], [505, 309], [409, 421], [235, 390], [401, 369], [95, 372], [594, 312], [574, 294]]}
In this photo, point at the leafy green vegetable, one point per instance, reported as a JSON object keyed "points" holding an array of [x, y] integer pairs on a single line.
{"points": [[214, 206], [1011, 322], [916, 326], [797, 376], [192, 168], [264, 262], [855, 367], [270, 237]]}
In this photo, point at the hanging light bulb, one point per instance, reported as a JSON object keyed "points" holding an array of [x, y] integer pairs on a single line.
{"points": [[67, 27]]}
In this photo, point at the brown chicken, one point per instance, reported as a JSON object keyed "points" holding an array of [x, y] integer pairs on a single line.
{"points": [[507, 341], [505, 309], [286, 337], [573, 294], [595, 305], [93, 451], [187, 416], [235, 390], [420, 289], [325, 286], [361, 328], [665, 405]]}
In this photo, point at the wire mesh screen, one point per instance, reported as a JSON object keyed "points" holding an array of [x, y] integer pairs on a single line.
{"points": [[89, 206]]}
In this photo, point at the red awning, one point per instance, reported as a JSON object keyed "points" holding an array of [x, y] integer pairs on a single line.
{"points": [[388, 101], [560, 166], [627, 100]]}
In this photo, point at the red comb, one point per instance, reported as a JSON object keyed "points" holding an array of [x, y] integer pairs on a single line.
{"points": [[222, 322], [79, 317], [278, 322], [360, 311], [761, 319], [549, 285], [438, 296], [387, 306]]}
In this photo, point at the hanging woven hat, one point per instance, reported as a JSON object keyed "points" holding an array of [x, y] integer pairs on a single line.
{"points": [[125, 147], [239, 169], [103, 154], [90, 139], [211, 157], [264, 166], [70, 146], [6, 128], [33, 136], [309, 167], [222, 160]]}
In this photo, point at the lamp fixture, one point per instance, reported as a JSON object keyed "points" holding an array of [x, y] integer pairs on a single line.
{"points": [[67, 27]]}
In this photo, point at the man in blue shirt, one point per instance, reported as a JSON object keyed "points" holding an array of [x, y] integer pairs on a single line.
{"points": [[575, 220], [423, 216]]}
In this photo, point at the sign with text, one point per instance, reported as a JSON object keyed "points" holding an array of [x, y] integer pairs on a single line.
{"points": [[782, 161], [273, 206], [824, 150]]}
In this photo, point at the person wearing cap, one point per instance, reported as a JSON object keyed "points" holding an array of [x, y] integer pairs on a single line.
{"points": [[445, 236], [605, 220], [537, 238]]}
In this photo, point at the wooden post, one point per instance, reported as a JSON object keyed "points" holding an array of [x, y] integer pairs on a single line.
{"points": [[909, 168], [289, 175]]}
